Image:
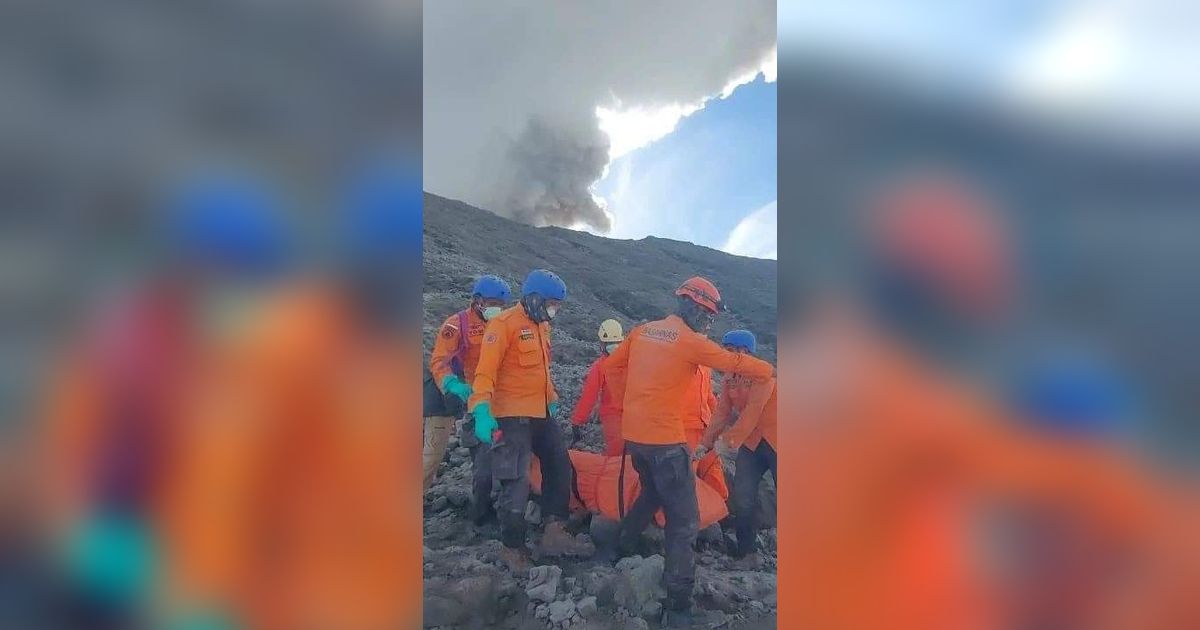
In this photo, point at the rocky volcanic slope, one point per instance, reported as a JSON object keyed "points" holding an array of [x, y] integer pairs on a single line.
{"points": [[465, 585]]}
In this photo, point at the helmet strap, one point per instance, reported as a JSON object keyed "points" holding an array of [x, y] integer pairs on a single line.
{"points": [[535, 307]]}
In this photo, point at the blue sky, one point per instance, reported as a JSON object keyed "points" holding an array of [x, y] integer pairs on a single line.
{"points": [[1110, 68], [714, 172]]}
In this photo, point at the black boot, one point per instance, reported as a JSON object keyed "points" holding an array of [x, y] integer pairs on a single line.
{"points": [[484, 516]]}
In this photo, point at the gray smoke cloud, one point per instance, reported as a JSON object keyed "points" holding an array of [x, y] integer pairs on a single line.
{"points": [[511, 90]]}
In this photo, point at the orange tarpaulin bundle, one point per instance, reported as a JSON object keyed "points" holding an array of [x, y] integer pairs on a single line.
{"points": [[598, 486]]}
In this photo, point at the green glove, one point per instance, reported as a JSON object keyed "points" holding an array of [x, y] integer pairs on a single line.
{"points": [[485, 422], [114, 557], [454, 385], [553, 408]]}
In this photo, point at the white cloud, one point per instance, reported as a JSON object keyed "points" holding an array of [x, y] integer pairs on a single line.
{"points": [[769, 69], [1076, 58], [1124, 62], [755, 236], [511, 91], [629, 129], [1102, 66]]}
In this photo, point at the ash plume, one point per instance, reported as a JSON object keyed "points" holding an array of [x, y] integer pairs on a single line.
{"points": [[511, 90]]}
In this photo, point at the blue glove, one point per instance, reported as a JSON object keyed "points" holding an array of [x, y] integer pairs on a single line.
{"points": [[485, 422], [454, 385], [553, 408]]}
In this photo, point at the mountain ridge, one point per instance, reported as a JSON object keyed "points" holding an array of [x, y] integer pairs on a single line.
{"points": [[630, 280]]}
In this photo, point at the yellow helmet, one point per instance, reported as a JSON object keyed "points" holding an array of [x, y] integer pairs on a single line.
{"points": [[611, 332]]}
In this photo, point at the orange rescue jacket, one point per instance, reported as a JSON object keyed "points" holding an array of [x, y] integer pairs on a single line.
{"points": [[888, 464], [735, 391], [606, 382], [288, 499], [513, 373], [701, 402], [756, 418], [115, 400], [450, 340], [662, 357]]}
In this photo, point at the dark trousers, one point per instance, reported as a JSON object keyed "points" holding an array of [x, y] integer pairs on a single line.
{"points": [[751, 466], [510, 458], [668, 482], [481, 472]]}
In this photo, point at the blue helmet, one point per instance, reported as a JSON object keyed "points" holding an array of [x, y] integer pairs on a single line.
{"points": [[380, 221], [492, 287], [739, 339], [229, 223], [544, 283], [1074, 397]]}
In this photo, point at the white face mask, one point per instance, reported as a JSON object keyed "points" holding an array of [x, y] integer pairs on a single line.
{"points": [[612, 347], [551, 311], [490, 312]]}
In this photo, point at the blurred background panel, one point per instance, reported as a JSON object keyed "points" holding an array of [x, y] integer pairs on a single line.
{"points": [[1073, 129], [106, 108], [1077, 118], [152, 157]]}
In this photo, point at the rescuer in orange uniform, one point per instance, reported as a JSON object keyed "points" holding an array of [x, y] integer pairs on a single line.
{"points": [[113, 427], [754, 437], [662, 358], [607, 384], [1068, 572], [894, 451], [290, 506], [447, 389], [514, 400]]}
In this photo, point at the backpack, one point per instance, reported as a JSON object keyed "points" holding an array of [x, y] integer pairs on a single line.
{"points": [[433, 401]]}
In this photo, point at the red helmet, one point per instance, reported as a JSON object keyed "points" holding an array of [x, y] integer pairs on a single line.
{"points": [[944, 229], [702, 292]]}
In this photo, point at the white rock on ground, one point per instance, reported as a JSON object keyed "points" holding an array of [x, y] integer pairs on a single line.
{"points": [[543, 583], [561, 611]]}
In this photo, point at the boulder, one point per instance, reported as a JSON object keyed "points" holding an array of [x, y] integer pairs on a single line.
{"points": [[561, 611], [587, 607], [543, 583], [638, 582]]}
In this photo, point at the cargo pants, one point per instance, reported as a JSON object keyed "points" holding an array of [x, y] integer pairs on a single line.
{"points": [[481, 472], [437, 436], [665, 472], [510, 459], [751, 466]]}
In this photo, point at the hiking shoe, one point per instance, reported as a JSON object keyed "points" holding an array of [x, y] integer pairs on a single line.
{"points": [[557, 541], [607, 554]]}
